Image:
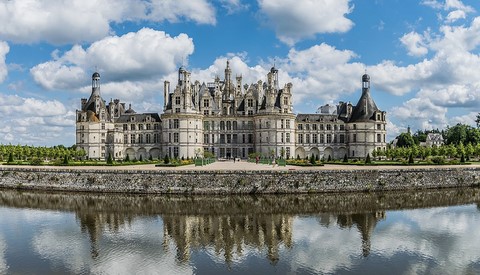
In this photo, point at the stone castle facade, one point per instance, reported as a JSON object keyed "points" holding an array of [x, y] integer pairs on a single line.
{"points": [[229, 119]]}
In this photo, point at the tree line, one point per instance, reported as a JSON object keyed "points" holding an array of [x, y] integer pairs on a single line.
{"points": [[26, 152]]}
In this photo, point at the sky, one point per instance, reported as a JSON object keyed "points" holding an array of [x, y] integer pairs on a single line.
{"points": [[423, 56]]}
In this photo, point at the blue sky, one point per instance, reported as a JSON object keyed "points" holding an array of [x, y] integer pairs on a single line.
{"points": [[423, 56]]}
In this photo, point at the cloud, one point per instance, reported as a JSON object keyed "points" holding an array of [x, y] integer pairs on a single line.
{"points": [[233, 6], [77, 21], [144, 55], [420, 113], [4, 49], [455, 8], [295, 20], [35, 121], [414, 44]]}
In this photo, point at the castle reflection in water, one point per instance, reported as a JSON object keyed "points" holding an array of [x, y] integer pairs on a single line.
{"points": [[229, 235], [231, 226]]}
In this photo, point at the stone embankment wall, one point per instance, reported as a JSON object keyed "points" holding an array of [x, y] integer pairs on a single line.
{"points": [[224, 182]]}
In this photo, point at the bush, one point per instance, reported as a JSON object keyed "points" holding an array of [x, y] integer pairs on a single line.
{"points": [[312, 159], [166, 159], [127, 158], [438, 160], [345, 158], [10, 158], [367, 159], [65, 160], [109, 159], [36, 161], [410, 159]]}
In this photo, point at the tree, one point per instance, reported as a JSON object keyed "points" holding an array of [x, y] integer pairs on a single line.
{"points": [[410, 158], [65, 160], [478, 120], [10, 157], [312, 159], [109, 159], [166, 159], [345, 158], [127, 158], [367, 159], [405, 140]]}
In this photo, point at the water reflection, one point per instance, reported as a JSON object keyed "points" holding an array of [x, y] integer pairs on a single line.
{"points": [[295, 233]]}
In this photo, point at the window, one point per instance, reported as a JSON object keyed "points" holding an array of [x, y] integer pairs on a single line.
{"points": [[234, 138], [329, 127], [379, 126], [176, 123], [379, 138], [287, 123], [132, 127], [206, 103], [354, 138], [156, 138], [177, 100], [281, 137], [229, 125], [250, 138], [354, 126], [222, 138], [175, 152], [103, 126], [249, 102], [314, 138], [229, 138], [281, 123], [222, 125], [234, 123], [206, 112], [177, 110], [342, 138], [285, 100], [335, 127], [329, 138], [307, 127], [169, 137], [300, 126], [206, 125], [307, 138], [243, 138], [287, 137], [148, 138], [206, 138], [250, 125], [156, 126], [322, 138], [300, 138], [321, 127], [314, 127], [125, 139], [140, 126], [287, 152], [132, 138], [140, 138], [250, 112], [175, 137], [342, 127]]}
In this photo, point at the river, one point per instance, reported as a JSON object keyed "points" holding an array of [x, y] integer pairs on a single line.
{"points": [[421, 232]]}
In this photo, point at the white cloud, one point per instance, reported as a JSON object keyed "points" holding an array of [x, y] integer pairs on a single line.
{"points": [[144, 55], [420, 113], [35, 121], [414, 44], [455, 15], [294, 20], [4, 49], [455, 8], [76, 21], [233, 6]]}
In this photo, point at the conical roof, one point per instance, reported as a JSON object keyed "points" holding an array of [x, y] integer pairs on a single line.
{"points": [[365, 108]]}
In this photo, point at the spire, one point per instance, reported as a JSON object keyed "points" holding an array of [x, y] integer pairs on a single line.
{"points": [[365, 107]]}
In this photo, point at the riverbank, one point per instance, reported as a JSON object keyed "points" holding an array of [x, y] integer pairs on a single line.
{"points": [[237, 178]]}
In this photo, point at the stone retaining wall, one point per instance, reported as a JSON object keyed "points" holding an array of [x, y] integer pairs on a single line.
{"points": [[229, 182]]}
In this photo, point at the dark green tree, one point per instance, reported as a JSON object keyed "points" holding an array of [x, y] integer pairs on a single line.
{"points": [[166, 159], [65, 160], [410, 159], [345, 158], [127, 158], [405, 140], [329, 158], [367, 159], [109, 159], [312, 159], [10, 157]]}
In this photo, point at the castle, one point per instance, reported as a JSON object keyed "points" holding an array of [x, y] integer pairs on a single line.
{"points": [[229, 119]]}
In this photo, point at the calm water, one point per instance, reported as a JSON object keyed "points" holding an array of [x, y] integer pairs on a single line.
{"points": [[427, 232]]}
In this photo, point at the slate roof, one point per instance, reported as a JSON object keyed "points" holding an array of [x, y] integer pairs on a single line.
{"points": [[365, 108]]}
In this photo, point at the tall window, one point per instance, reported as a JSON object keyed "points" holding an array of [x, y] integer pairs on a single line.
{"points": [[148, 138], [287, 137], [249, 102], [140, 138], [176, 123], [300, 126], [177, 100], [300, 138], [206, 103], [132, 138], [125, 139], [314, 138], [175, 137], [329, 138], [132, 127], [287, 123], [222, 125], [307, 138]]}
